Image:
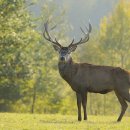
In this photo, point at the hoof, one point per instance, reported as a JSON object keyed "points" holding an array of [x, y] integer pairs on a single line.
{"points": [[79, 119], [119, 120]]}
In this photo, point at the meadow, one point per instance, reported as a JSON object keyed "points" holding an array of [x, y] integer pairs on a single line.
{"points": [[12, 121]]}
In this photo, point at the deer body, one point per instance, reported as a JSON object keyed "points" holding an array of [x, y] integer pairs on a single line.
{"points": [[84, 77], [102, 77]]}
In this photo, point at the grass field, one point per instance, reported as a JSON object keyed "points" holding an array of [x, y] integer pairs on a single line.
{"points": [[10, 121]]}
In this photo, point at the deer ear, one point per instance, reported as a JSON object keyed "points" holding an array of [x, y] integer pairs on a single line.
{"points": [[73, 48], [57, 48]]}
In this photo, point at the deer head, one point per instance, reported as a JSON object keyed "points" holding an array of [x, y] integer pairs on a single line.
{"points": [[64, 52]]}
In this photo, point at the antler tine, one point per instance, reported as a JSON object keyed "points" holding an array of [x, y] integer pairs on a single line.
{"points": [[82, 30], [90, 28], [46, 29], [86, 37], [57, 41], [47, 35], [53, 27], [79, 42], [45, 32], [71, 42]]}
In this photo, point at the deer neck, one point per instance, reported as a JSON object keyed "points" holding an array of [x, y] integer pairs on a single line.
{"points": [[66, 69]]}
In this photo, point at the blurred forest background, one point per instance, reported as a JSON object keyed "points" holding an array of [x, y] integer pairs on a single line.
{"points": [[29, 78]]}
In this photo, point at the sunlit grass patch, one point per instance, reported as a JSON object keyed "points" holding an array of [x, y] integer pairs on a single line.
{"points": [[60, 122]]}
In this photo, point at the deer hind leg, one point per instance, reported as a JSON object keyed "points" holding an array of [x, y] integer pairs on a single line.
{"points": [[123, 106], [127, 96], [125, 93]]}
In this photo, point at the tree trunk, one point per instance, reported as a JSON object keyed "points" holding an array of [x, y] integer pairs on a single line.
{"points": [[90, 105], [34, 99], [35, 91], [104, 106]]}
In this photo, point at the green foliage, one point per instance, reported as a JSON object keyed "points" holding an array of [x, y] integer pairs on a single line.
{"points": [[115, 35], [16, 35], [29, 75]]}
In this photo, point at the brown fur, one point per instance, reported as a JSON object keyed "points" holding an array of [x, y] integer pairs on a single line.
{"points": [[84, 77]]}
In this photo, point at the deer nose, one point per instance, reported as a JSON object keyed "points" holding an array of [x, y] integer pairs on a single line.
{"points": [[62, 58]]}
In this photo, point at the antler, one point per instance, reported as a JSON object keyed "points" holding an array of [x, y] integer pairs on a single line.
{"points": [[48, 37], [56, 43], [82, 40]]}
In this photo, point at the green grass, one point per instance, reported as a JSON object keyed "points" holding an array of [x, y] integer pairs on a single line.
{"points": [[10, 121]]}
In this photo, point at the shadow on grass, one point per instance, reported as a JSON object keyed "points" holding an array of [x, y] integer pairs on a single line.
{"points": [[102, 122], [58, 122], [78, 122]]}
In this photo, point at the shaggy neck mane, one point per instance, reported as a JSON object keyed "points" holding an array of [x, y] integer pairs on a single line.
{"points": [[67, 70]]}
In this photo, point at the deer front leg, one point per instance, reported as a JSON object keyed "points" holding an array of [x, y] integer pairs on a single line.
{"points": [[84, 103], [79, 100]]}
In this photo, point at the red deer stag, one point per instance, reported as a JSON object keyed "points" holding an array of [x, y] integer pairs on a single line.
{"points": [[84, 77]]}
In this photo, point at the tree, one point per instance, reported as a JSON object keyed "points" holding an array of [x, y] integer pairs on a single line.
{"points": [[114, 39], [115, 34], [47, 86], [17, 32]]}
